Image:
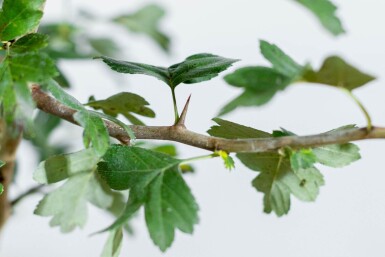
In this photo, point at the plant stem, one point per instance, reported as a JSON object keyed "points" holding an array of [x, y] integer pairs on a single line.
{"points": [[176, 113], [361, 106], [200, 158]]}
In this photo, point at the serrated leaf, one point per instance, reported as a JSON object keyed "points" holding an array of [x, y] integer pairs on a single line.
{"points": [[337, 155], [146, 21], [338, 73], [227, 159], [155, 182], [325, 11], [194, 69], [30, 43], [124, 103], [231, 130], [113, 244], [60, 167], [277, 180], [281, 62], [260, 85], [19, 17], [67, 205]]}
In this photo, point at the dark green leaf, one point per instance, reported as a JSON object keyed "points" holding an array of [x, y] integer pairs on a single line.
{"points": [[19, 17], [113, 244], [260, 84], [194, 69], [325, 11], [156, 183], [280, 61], [146, 21], [337, 155], [124, 103], [127, 167], [230, 130], [30, 43], [336, 72]]}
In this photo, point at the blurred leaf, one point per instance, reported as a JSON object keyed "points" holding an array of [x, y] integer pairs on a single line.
{"points": [[30, 43], [337, 155], [260, 85], [194, 69], [19, 17], [104, 46], [113, 244], [1, 186], [166, 149], [60, 167], [302, 159], [61, 79], [124, 103], [277, 180], [155, 182], [336, 72], [227, 159], [146, 21], [281, 62], [325, 12]]}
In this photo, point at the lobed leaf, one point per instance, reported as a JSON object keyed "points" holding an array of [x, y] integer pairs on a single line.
{"points": [[124, 103], [155, 182], [325, 12], [337, 155]]}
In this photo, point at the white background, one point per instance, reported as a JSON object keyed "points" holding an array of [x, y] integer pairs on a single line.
{"points": [[348, 218]]}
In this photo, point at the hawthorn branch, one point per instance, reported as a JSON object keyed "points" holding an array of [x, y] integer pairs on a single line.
{"points": [[180, 134]]}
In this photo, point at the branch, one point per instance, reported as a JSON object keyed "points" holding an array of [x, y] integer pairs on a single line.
{"points": [[182, 135]]}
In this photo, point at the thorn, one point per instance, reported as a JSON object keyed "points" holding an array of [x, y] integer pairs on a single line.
{"points": [[183, 115]]}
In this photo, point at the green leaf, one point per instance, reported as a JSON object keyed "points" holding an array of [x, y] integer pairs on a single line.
{"points": [[194, 69], [19, 17], [156, 183], [113, 244], [260, 85], [227, 159], [337, 155], [338, 73], [146, 21], [280, 61], [325, 12], [60, 167], [127, 167], [104, 46], [95, 131], [231, 130], [302, 159], [277, 179], [30, 43], [124, 103], [67, 204]]}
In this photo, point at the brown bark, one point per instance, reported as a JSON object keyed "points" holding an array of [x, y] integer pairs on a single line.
{"points": [[9, 141]]}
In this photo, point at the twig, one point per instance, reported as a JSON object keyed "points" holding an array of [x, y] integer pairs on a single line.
{"points": [[25, 194], [180, 134]]}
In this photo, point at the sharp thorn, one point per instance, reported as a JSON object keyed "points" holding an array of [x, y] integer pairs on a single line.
{"points": [[182, 119]]}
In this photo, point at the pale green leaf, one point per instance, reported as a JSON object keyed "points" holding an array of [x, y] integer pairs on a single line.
{"points": [[113, 244], [337, 155], [325, 11], [146, 21], [302, 159], [231, 130], [60, 167]]}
